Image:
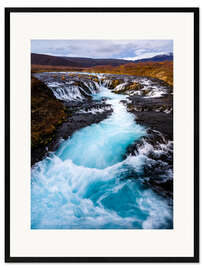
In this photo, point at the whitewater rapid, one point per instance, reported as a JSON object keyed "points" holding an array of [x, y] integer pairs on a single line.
{"points": [[88, 183]]}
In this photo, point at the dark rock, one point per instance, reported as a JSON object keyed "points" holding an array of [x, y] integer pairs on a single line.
{"points": [[155, 113], [158, 168]]}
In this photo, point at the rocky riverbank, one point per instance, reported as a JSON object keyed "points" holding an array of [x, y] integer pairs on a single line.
{"points": [[149, 99], [53, 119], [46, 114], [155, 112]]}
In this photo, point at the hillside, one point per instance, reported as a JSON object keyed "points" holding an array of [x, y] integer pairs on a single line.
{"points": [[157, 58], [160, 70], [43, 59], [82, 62]]}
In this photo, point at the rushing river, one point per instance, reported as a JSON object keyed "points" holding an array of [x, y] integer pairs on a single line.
{"points": [[88, 183]]}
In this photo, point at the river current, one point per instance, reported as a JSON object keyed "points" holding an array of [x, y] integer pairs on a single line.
{"points": [[89, 183]]}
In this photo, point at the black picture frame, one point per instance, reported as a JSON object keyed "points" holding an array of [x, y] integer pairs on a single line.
{"points": [[8, 257]]}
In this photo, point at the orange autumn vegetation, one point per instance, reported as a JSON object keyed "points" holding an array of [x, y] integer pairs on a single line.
{"points": [[47, 68], [46, 113], [159, 70]]}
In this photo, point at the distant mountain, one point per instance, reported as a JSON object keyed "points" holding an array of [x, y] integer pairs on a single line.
{"points": [[157, 58], [43, 59], [50, 60]]}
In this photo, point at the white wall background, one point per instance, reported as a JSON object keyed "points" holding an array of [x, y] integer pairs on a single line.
{"points": [[78, 3]]}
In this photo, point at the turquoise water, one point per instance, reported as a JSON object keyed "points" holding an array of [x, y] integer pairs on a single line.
{"points": [[89, 184]]}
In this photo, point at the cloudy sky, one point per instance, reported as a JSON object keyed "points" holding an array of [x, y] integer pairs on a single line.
{"points": [[122, 49]]}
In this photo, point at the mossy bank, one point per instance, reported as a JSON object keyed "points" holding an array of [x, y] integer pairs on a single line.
{"points": [[46, 114]]}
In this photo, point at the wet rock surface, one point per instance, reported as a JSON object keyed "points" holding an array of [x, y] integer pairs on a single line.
{"points": [[158, 167], [156, 113]]}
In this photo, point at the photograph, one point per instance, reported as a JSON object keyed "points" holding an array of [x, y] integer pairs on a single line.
{"points": [[101, 134]]}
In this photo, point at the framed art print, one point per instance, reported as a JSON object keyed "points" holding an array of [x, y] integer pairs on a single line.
{"points": [[102, 134]]}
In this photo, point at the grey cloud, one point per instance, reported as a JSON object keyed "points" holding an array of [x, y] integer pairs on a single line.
{"points": [[101, 48]]}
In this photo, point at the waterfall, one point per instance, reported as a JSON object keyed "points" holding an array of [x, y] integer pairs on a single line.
{"points": [[67, 89], [89, 183]]}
